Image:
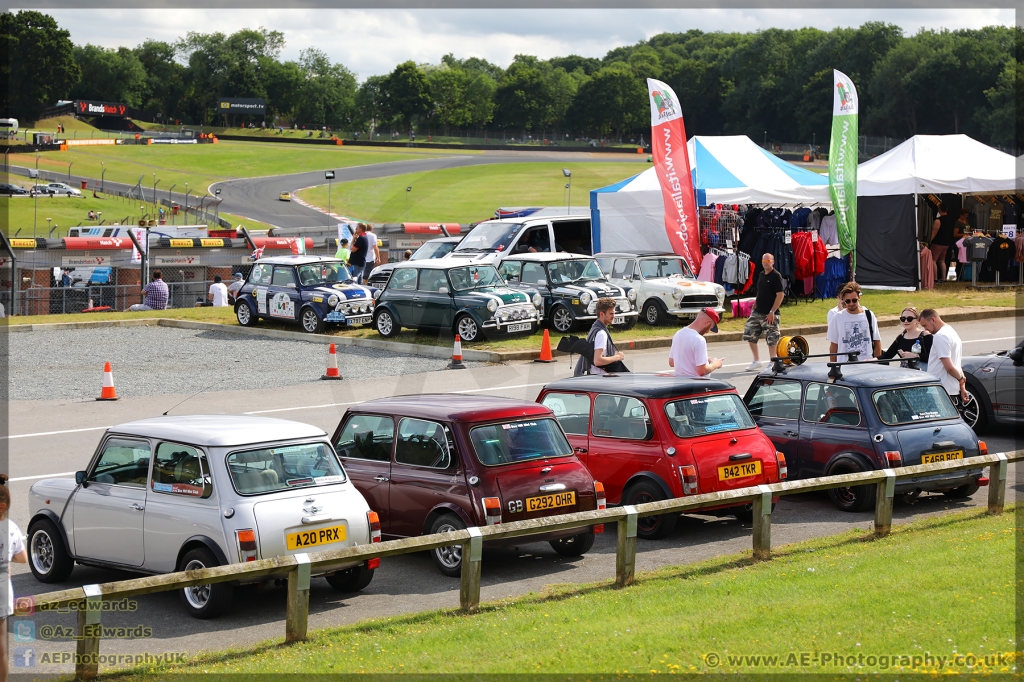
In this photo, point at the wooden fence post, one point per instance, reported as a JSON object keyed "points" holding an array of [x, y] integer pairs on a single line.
{"points": [[884, 493], [763, 524], [997, 485], [88, 650], [625, 555], [472, 554], [297, 616]]}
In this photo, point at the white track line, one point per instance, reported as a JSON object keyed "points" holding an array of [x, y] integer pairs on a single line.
{"points": [[32, 478], [53, 433]]}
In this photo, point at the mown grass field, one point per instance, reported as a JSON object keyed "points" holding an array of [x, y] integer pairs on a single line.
{"points": [[941, 588], [202, 164], [469, 194]]}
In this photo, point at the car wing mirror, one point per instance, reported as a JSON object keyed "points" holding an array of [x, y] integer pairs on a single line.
{"points": [[290, 285], [1017, 357], [638, 412], [443, 290], [542, 282], [80, 478]]}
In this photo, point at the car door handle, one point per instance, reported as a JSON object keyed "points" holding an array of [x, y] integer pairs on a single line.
{"points": [[381, 479], [136, 506], [581, 451], [415, 298], [791, 433]]}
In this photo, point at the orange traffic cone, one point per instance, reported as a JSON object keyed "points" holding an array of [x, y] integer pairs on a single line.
{"points": [[107, 392], [456, 362], [545, 349], [332, 364]]}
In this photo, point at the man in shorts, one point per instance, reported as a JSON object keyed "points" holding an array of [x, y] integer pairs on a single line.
{"points": [[764, 318]]}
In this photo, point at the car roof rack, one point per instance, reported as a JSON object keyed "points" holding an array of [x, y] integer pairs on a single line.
{"points": [[835, 372], [779, 364]]}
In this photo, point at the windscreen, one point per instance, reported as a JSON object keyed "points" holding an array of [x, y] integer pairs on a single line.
{"points": [[664, 267], [475, 277], [518, 441], [707, 414], [286, 467], [321, 273], [433, 250], [913, 404], [489, 237], [567, 271]]}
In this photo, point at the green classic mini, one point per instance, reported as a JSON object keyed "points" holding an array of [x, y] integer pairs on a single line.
{"points": [[471, 300]]}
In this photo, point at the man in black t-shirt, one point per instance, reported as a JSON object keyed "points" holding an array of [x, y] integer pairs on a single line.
{"points": [[942, 239], [764, 318]]}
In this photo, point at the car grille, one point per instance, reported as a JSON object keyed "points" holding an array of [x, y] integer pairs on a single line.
{"points": [[698, 301], [515, 313], [380, 281]]}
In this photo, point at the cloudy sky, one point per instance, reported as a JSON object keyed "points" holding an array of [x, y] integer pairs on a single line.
{"points": [[372, 42]]}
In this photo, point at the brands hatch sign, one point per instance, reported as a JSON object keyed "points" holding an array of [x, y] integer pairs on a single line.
{"points": [[85, 107], [242, 106]]}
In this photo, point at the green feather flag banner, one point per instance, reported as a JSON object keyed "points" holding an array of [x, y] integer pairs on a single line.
{"points": [[842, 164]]}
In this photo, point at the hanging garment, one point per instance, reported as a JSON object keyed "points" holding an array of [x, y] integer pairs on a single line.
{"points": [[828, 230], [719, 268], [707, 268], [961, 250], [927, 269], [809, 254], [835, 276], [800, 217], [1019, 242], [751, 268]]}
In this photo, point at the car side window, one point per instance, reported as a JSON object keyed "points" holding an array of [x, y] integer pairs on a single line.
{"points": [[181, 470], [123, 462], [623, 268], [572, 410], [776, 398], [432, 280], [422, 443], [510, 270], [403, 279], [621, 417], [260, 274], [533, 273], [284, 276], [605, 264], [829, 404], [367, 436]]}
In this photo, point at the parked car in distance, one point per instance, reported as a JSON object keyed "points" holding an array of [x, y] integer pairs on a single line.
{"points": [[285, 196], [9, 189], [873, 417], [313, 291], [570, 285], [434, 248], [438, 463], [665, 285], [471, 300], [650, 437], [996, 382], [492, 241], [57, 188], [179, 493]]}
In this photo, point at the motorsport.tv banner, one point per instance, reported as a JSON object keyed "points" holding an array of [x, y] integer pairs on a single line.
{"points": [[236, 105]]}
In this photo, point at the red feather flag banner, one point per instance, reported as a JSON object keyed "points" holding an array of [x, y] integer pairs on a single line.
{"points": [[672, 164]]}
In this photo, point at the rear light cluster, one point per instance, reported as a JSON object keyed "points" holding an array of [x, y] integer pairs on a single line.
{"points": [[689, 475], [492, 511], [894, 457], [601, 504], [374, 522], [246, 545], [783, 469], [983, 447]]}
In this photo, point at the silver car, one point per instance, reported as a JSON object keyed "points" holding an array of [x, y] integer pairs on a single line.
{"points": [[179, 493], [996, 382]]}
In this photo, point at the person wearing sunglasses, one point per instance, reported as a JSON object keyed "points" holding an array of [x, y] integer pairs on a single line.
{"points": [[912, 344], [854, 328]]}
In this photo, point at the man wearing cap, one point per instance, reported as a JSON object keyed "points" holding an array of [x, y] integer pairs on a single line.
{"points": [[236, 285], [689, 353]]}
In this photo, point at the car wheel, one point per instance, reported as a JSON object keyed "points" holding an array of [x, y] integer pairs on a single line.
{"points": [[351, 579], [467, 328], [244, 313], [962, 492], [562, 319], [574, 545], [649, 527], [204, 601], [385, 323], [448, 559], [653, 313], [47, 556], [973, 413], [853, 498], [311, 322]]}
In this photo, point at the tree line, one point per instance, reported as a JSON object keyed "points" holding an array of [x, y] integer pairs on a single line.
{"points": [[774, 83]]}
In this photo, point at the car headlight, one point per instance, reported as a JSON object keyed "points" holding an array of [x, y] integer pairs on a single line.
{"points": [[631, 294], [677, 294], [585, 297], [332, 300], [492, 305], [537, 301]]}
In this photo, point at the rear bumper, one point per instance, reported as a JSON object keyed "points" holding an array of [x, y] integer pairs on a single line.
{"points": [[939, 481]]}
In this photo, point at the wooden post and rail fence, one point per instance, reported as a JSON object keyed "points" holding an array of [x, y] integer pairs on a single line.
{"points": [[299, 567]]}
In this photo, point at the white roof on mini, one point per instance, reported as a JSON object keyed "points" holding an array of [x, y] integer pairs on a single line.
{"points": [[218, 429]]}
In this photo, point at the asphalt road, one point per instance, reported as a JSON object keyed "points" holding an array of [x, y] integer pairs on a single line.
{"points": [[55, 437]]}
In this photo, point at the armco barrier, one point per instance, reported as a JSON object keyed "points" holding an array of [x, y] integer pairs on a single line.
{"points": [[299, 567]]}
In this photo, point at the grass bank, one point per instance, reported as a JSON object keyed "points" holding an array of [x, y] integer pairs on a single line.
{"points": [[469, 194], [931, 597]]}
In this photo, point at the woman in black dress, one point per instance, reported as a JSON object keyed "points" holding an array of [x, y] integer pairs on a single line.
{"points": [[913, 343]]}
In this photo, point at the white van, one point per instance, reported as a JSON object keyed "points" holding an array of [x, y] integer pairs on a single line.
{"points": [[8, 127], [493, 240]]}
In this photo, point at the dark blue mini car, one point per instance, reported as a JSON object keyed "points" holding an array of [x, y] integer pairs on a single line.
{"points": [[311, 290], [873, 417]]}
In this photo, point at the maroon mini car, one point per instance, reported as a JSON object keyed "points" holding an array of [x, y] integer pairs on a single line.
{"points": [[438, 463]]}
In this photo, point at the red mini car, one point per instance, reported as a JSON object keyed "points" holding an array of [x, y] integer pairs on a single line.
{"points": [[437, 463], [650, 437]]}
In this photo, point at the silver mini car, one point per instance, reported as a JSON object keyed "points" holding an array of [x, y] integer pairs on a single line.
{"points": [[178, 493]]}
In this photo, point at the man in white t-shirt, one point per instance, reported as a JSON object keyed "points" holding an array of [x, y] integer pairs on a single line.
{"points": [[853, 329], [218, 293], [689, 353], [945, 355], [372, 252]]}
